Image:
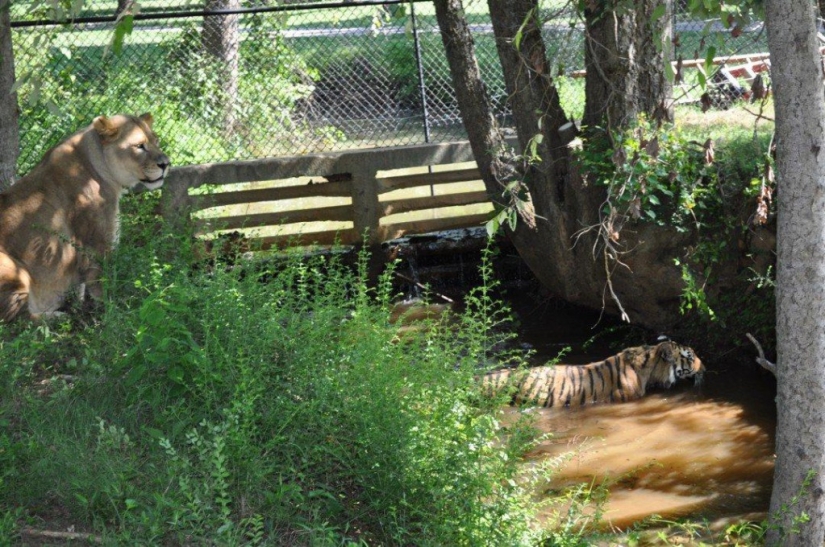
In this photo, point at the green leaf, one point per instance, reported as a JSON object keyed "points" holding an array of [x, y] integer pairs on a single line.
{"points": [[517, 38], [175, 374], [520, 32], [709, 59], [135, 375], [492, 227], [512, 218], [658, 13], [153, 432], [531, 148], [77, 7], [123, 28], [669, 73]]}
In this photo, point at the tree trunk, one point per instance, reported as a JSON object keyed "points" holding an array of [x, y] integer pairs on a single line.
{"points": [[624, 56], [221, 40], [796, 74], [570, 264], [9, 129], [532, 95]]}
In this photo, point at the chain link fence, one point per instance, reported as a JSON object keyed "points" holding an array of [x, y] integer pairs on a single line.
{"points": [[269, 79]]}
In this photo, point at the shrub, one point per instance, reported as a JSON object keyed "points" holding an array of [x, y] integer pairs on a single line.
{"points": [[265, 404]]}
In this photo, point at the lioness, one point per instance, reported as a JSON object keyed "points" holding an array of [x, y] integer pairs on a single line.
{"points": [[59, 220]]}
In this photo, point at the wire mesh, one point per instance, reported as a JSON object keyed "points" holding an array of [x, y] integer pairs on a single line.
{"points": [[271, 80]]}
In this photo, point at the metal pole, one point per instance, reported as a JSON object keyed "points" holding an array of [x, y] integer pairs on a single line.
{"points": [[422, 88]]}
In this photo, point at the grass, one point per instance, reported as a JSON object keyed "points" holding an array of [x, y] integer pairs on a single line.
{"points": [[206, 406]]}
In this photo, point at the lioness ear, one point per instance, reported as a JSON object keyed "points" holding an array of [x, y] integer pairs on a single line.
{"points": [[105, 128], [147, 119]]}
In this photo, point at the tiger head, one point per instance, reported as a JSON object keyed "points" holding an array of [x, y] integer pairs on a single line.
{"points": [[676, 362]]}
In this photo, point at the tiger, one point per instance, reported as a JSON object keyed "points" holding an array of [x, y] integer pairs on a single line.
{"points": [[619, 378]]}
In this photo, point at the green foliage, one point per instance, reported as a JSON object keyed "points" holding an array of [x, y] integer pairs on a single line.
{"points": [[788, 519], [693, 295], [515, 198], [655, 174], [746, 533], [731, 14], [264, 404], [705, 188], [578, 516]]}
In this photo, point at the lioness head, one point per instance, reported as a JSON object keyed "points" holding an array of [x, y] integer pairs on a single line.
{"points": [[131, 151]]}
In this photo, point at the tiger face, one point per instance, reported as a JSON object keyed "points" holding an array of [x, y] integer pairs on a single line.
{"points": [[681, 362]]}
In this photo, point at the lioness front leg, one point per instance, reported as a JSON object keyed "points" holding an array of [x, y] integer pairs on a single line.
{"points": [[15, 284], [90, 284]]}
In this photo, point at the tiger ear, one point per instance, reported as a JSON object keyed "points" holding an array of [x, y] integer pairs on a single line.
{"points": [[147, 118], [106, 128], [665, 351]]}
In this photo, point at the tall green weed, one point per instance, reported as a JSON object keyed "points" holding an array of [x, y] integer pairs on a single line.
{"points": [[262, 404]]}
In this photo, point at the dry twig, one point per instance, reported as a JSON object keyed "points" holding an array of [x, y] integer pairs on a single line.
{"points": [[764, 363], [35, 533]]}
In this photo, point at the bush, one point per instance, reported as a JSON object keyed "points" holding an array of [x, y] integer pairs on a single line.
{"points": [[266, 404]]}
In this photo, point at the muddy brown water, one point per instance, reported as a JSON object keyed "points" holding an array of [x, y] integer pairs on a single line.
{"points": [[701, 453]]}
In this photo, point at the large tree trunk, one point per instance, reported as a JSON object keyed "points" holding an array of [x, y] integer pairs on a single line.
{"points": [[624, 58], [554, 190], [570, 264], [796, 74], [221, 40], [9, 129]]}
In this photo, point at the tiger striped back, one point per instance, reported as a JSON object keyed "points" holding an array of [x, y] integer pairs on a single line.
{"points": [[618, 378]]}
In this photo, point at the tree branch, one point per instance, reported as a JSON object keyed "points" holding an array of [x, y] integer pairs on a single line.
{"points": [[764, 363]]}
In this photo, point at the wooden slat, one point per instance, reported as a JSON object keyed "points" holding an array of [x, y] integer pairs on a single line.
{"points": [[337, 213], [387, 184], [322, 189], [432, 202], [393, 231]]}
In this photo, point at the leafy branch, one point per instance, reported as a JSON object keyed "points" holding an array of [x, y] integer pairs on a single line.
{"points": [[515, 202]]}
